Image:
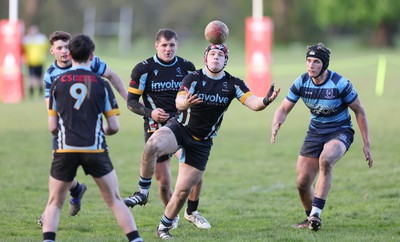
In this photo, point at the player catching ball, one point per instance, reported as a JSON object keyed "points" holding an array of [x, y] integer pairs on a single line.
{"points": [[202, 100]]}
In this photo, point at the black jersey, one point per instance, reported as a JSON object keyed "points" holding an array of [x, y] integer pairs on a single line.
{"points": [[159, 82], [204, 120], [80, 98]]}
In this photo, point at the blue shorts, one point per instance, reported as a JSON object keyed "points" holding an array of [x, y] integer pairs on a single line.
{"points": [[314, 143], [194, 152], [65, 165]]}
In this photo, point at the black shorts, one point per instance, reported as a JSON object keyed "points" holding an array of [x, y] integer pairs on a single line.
{"points": [[65, 165], [314, 143], [194, 152], [147, 136], [36, 71]]}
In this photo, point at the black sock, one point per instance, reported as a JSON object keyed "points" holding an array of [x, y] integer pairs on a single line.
{"points": [[49, 236], [318, 202], [192, 206], [76, 190], [308, 213], [132, 236]]}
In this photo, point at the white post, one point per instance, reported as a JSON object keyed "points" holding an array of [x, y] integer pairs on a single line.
{"points": [[89, 23], [125, 29], [13, 10], [257, 8]]}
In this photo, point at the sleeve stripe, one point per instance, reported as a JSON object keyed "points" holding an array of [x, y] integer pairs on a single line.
{"points": [[135, 91], [112, 112], [52, 113], [245, 96]]}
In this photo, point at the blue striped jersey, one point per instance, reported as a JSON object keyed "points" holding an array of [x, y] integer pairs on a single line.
{"points": [[97, 66], [328, 102]]}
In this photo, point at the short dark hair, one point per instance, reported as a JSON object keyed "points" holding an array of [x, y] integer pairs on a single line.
{"points": [[81, 47], [59, 35], [167, 34]]}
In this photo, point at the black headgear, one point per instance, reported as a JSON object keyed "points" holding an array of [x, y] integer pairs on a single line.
{"points": [[320, 52]]}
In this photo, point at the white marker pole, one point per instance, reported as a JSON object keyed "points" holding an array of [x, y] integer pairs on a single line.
{"points": [[380, 76]]}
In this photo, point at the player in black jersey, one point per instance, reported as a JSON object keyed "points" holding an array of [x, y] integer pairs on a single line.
{"points": [[78, 100], [59, 49], [157, 80], [203, 99]]}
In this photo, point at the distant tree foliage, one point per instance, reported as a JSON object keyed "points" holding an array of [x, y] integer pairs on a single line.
{"points": [[378, 18], [294, 20]]}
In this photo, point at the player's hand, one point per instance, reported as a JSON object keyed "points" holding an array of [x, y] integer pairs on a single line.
{"points": [[272, 94], [192, 99], [368, 156], [159, 115], [274, 132]]}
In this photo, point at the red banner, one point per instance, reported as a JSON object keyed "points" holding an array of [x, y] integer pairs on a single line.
{"points": [[11, 78], [258, 54]]}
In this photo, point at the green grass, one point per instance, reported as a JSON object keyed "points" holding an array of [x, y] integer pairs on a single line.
{"points": [[249, 191]]}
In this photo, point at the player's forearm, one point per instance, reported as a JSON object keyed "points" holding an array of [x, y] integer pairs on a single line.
{"points": [[118, 85], [181, 103], [111, 126], [136, 107], [363, 126], [279, 117]]}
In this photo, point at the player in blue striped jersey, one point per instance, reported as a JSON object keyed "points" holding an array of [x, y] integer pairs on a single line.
{"points": [[328, 96], [78, 100]]}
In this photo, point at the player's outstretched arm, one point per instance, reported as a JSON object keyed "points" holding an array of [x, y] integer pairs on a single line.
{"points": [[259, 103]]}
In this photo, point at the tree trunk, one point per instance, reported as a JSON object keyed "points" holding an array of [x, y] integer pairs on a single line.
{"points": [[383, 36]]}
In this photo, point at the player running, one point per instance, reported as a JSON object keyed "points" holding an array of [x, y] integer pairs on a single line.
{"points": [[202, 101]]}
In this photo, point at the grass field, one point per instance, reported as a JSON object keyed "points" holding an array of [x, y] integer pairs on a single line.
{"points": [[249, 191]]}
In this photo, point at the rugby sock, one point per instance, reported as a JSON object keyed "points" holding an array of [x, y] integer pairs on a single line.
{"points": [[49, 236], [308, 212], [165, 223], [134, 236], [317, 205], [192, 206], [144, 185], [76, 190]]}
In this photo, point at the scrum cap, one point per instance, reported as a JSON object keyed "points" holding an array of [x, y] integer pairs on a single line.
{"points": [[221, 47], [321, 52]]}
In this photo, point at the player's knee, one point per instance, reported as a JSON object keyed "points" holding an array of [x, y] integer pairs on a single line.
{"points": [[325, 164], [155, 146], [183, 194]]}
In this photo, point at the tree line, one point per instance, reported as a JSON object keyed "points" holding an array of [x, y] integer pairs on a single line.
{"points": [[377, 22]]}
